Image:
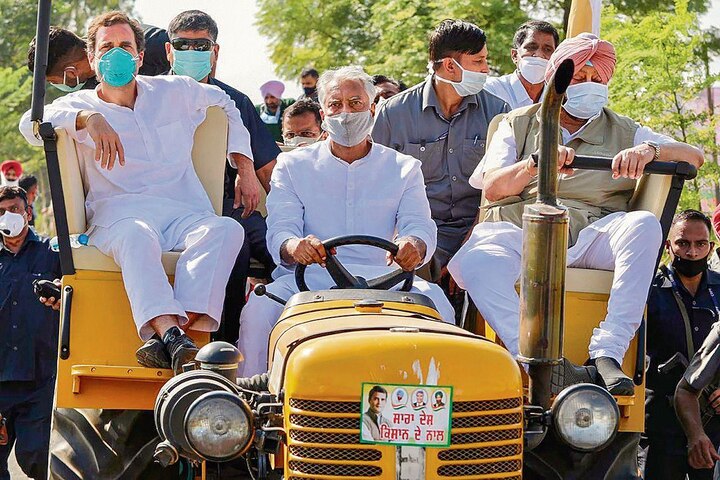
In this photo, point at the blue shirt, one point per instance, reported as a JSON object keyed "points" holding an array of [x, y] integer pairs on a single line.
{"points": [[264, 148], [28, 329], [665, 337]]}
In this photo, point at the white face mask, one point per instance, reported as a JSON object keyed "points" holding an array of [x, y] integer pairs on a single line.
{"points": [[585, 100], [471, 82], [533, 69], [348, 129], [298, 141], [11, 224]]}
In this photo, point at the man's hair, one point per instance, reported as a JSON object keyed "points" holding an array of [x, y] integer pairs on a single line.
{"points": [[690, 214], [311, 72], [194, 21], [63, 44], [27, 182], [379, 79], [301, 107], [8, 193], [337, 76], [376, 389], [455, 36], [534, 26], [114, 18]]}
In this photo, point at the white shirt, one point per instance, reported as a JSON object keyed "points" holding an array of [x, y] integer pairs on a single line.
{"points": [[158, 178], [509, 88], [314, 192], [502, 150]]}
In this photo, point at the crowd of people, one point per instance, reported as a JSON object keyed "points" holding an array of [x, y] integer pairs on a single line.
{"points": [[362, 155]]}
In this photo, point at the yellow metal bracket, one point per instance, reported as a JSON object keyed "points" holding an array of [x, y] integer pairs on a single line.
{"points": [[132, 374]]}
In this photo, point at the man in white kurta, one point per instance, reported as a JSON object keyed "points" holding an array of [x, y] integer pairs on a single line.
{"points": [[603, 235], [533, 43], [319, 192], [152, 201]]}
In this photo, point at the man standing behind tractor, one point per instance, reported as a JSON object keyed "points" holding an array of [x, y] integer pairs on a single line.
{"points": [[144, 196], [443, 122], [28, 338]]}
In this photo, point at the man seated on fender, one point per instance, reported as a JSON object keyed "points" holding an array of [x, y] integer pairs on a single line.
{"points": [[346, 185], [603, 234]]}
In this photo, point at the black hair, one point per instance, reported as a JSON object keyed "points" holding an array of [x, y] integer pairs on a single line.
{"points": [[690, 214], [301, 107], [8, 193], [27, 182], [376, 389], [62, 44], [455, 36], [379, 79], [193, 20], [534, 26], [310, 72]]}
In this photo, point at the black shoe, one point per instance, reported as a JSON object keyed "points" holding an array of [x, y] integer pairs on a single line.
{"points": [[153, 354], [615, 380], [566, 373], [182, 349]]}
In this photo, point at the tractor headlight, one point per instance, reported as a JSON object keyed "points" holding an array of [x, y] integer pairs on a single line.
{"points": [[586, 417], [218, 426]]}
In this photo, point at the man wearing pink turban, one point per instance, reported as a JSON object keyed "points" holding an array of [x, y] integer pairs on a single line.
{"points": [[603, 234], [273, 106]]}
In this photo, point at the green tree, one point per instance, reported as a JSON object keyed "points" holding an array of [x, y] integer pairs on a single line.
{"points": [[386, 36], [659, 80]]}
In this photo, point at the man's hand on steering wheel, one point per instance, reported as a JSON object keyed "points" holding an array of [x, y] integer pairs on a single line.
{"points": [[411, 252], [307, 251]]}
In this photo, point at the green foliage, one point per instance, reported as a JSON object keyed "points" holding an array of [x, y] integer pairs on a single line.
{"points": [[386, 36], [658, 79]]}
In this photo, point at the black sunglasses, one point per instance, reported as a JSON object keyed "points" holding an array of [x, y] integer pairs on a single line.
{"points": [[199, 44]]}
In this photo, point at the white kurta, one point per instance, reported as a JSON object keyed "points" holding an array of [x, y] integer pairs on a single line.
{"points": [[156, 202], [509, 88], [626, 243], [314, 192]]}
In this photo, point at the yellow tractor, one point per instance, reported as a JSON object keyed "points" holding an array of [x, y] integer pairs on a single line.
{"points": [[364, 383]]}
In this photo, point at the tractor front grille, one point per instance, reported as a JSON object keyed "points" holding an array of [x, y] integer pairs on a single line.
{"points": [[324, 441]]}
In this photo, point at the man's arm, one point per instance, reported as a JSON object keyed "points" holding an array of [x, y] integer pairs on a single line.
{"points": [[80, 121], [239, 150], [701, 451], [264, 174], [416, 230], [381, 128]]}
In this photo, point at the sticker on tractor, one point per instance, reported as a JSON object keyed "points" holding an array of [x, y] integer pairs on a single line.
{"points": [[416, 415]]}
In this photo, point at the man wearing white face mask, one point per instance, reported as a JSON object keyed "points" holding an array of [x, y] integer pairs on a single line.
{"points": [[533, 44], [345, 185], [302, 124], [443, 123], [29, 333], [603, 235]]}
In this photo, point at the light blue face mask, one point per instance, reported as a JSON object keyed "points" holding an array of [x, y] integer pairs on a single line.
{"points": [[64, 87], [117, 67], [192, 63]]}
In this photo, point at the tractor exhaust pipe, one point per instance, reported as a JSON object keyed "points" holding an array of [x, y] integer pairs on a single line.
{"points": [[545, 243]]}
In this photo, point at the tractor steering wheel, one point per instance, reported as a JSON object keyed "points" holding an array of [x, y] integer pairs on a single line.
{"points": [[344, 279]]}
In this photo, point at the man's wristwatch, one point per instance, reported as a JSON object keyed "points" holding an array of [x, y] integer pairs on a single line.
{"points": [[656, 146]]}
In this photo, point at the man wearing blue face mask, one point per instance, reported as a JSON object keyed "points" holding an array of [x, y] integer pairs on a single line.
{"points": [[135, 138], [603, 234], [68, 69], [192, 50], [443, 122]]}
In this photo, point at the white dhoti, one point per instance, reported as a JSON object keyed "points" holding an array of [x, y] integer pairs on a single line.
{"points": [[488, 267], [261, 314], [209, 246]]}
